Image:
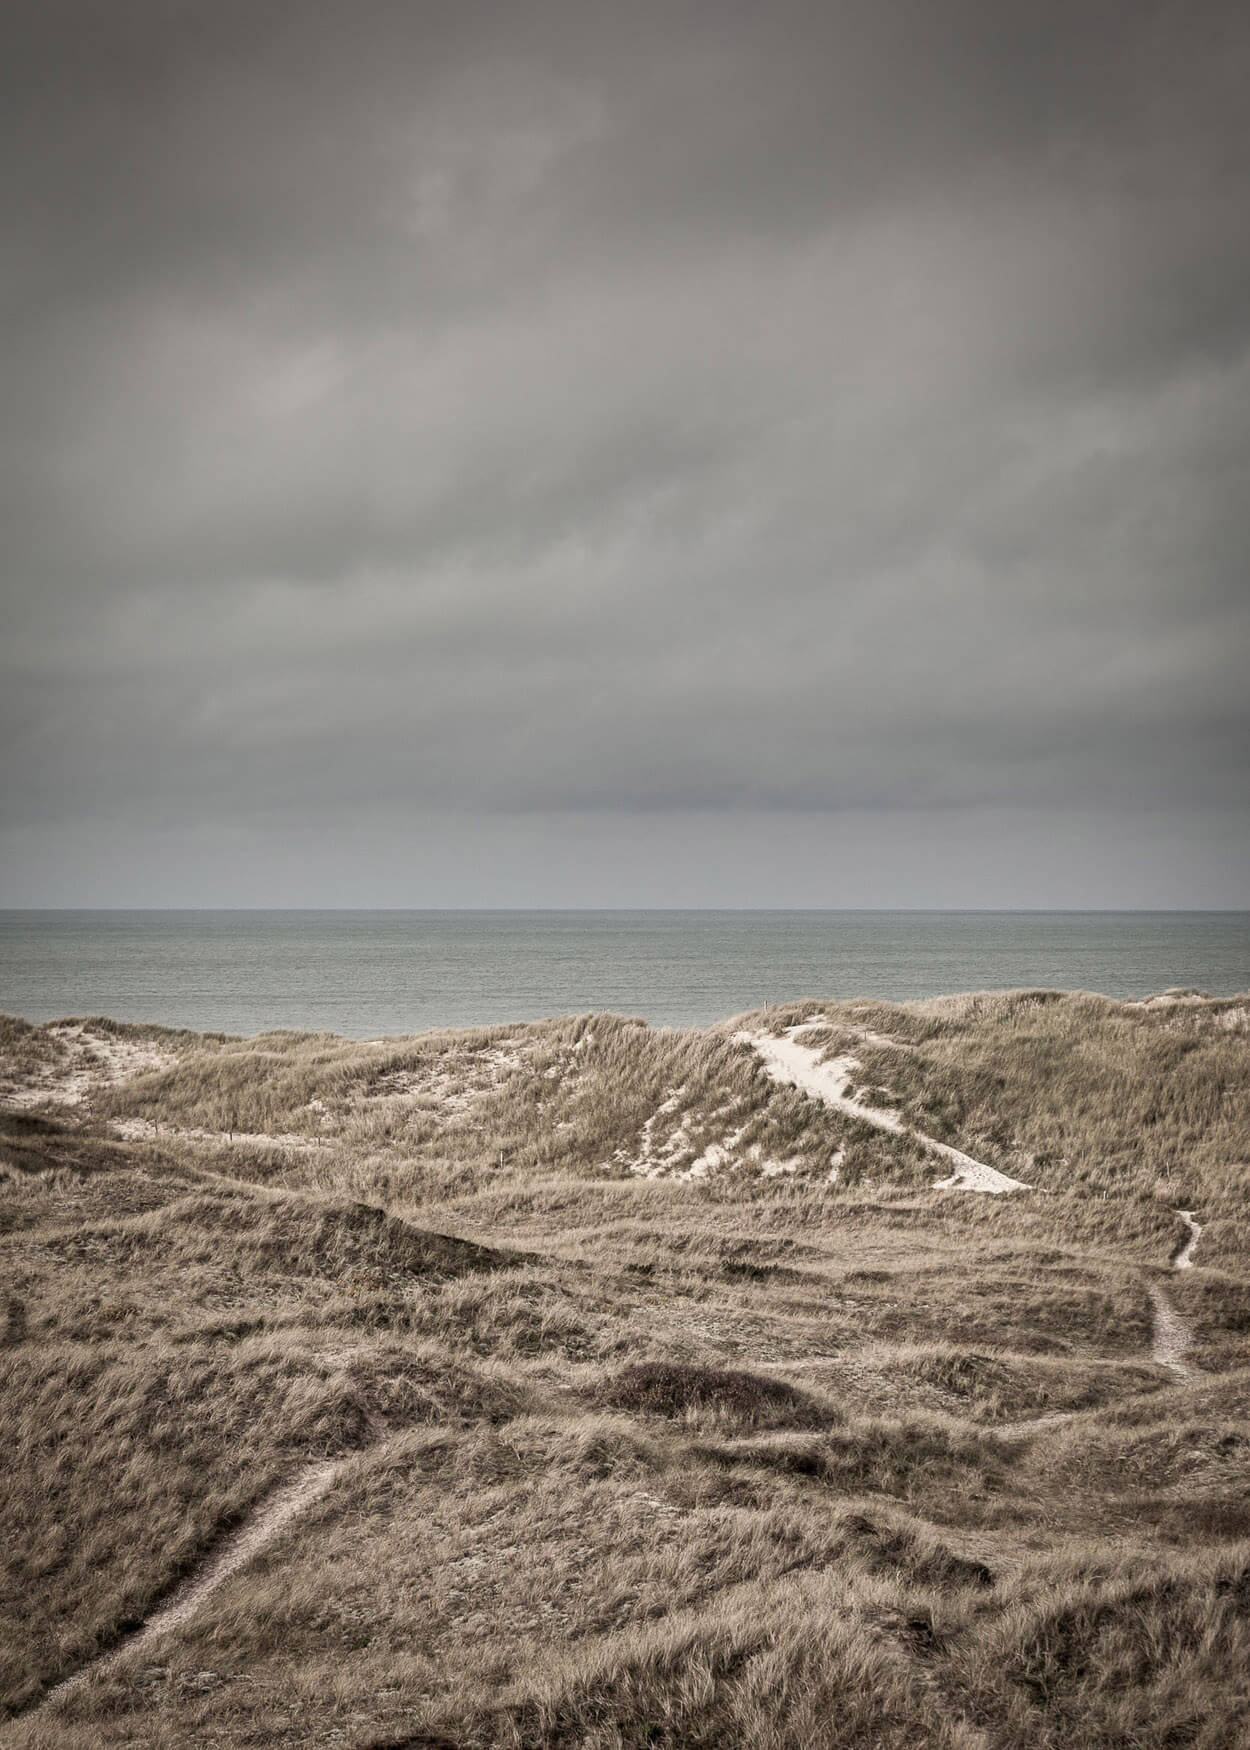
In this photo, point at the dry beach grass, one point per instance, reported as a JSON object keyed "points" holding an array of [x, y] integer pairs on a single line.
{"points": [[634, 1396]]}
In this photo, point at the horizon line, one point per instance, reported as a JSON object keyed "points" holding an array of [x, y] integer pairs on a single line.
{"points": [[639, 911]]}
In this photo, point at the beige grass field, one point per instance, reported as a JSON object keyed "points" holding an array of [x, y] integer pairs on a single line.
{"points": [[585, 1384]]}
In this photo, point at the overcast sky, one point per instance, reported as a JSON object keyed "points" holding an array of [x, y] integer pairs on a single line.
{"points": [[725, 454]]}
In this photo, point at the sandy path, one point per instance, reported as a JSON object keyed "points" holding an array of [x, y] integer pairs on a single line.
{"points": [[1184, 1259], [789, 1061], [1172, 1336], [264, 1525]]}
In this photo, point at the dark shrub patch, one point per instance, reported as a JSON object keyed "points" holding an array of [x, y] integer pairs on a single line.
{"points": [[671, 1388]]}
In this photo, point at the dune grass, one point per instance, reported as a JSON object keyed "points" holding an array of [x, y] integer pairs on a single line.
{"points": [[648, 1429]]}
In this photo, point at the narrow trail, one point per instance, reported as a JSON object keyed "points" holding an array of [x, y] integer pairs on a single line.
{"points": [[262, 1527], [1184, 1259], [1172, 1336], [789, 1061]]}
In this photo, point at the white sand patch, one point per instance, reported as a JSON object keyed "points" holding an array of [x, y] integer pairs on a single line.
{"points": [[653, 1161], [87, 1061], [1168, 999], [970, 1175], [789, 1061], [715, 1155], [451, 1083], [676, 1156], [842, 1026]]}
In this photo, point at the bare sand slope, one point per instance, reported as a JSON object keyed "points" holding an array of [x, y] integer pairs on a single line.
{"points": [[788, 1059]]}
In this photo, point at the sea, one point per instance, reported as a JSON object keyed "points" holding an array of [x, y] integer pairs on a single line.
{"points": [[365, 974]]}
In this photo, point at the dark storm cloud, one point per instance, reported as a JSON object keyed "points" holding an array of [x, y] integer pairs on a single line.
{"points": [[598, 408]]}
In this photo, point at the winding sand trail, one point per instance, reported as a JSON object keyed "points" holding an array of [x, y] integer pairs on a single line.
{"points": [[789, 1061], [261, 1528], [1172, 1336], [1184, 1259]]}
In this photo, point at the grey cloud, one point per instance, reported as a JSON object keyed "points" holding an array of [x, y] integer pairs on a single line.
{"points": [[715, 410]]}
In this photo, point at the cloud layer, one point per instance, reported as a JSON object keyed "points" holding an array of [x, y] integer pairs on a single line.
{"points": [[711, 414]]}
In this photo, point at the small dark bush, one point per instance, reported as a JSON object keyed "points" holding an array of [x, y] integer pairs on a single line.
{"points": [[671, 1388]]}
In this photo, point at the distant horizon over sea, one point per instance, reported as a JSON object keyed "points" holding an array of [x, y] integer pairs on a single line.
{"points": [[367, 973]]}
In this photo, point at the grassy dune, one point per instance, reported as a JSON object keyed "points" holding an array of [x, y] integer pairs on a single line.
{"points": [[659, 1403]]}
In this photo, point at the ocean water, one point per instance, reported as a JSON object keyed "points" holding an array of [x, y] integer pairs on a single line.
{"points": [[363, 974]]}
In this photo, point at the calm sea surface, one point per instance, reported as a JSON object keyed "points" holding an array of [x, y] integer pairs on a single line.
{"points": [[369, 973]]}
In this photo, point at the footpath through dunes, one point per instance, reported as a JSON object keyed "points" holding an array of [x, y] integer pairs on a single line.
{"points": [[1185, 1256], [453, 1429], [1170, 1338], [829, 1078], [1172, 1334], [262, 1528], [788, 1059]]}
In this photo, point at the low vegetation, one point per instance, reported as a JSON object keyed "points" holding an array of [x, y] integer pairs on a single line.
{"points": [[649, 1401]]}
